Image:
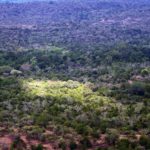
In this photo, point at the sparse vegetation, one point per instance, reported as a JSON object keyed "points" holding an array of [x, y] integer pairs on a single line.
{"points": [[75, 75]]}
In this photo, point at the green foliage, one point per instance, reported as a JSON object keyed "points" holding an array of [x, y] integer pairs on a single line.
{"points": [[130, 110], [5, 69], [18, 144], [137, 88], [82, 82], [104, 91], [145, 72], [62, 144], [112, 137], [145, 141], [86, 143], [73, 145], [42, 119], [123, 144], [38, 147]]}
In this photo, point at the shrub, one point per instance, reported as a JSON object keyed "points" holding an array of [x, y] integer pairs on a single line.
{"points": [[145, 72], [123, 144], [86, 143], [103, 126], [62, 144], [38, 147], [5, 69], [112, 136], [17, 144], [145, 141], [42, 119], [103, 91], [73, 145], [82, 129], [137, 88]]}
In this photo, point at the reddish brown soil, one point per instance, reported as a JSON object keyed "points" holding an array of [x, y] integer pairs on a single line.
{"points": [[7, 140]]}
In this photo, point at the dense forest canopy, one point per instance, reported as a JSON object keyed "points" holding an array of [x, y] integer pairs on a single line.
{"points": [[67, 24], [75, 74]]}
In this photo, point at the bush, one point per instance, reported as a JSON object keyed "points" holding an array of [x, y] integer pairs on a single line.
{"points": [[145, 72], [112, 136], [137, 88], [5, 69], [39, 147], [103, 126], [86, 143], [123, 144], [73, 145], [42, 119], [104, 91], [17, 144], [62, 144], [82, 129], [145, 141]]}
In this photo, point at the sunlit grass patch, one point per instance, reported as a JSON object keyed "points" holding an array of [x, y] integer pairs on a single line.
{"points": [[55, 89], [71, 90]]}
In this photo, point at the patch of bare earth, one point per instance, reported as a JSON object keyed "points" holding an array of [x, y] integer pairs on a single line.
{"points": [[6, 140]]}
